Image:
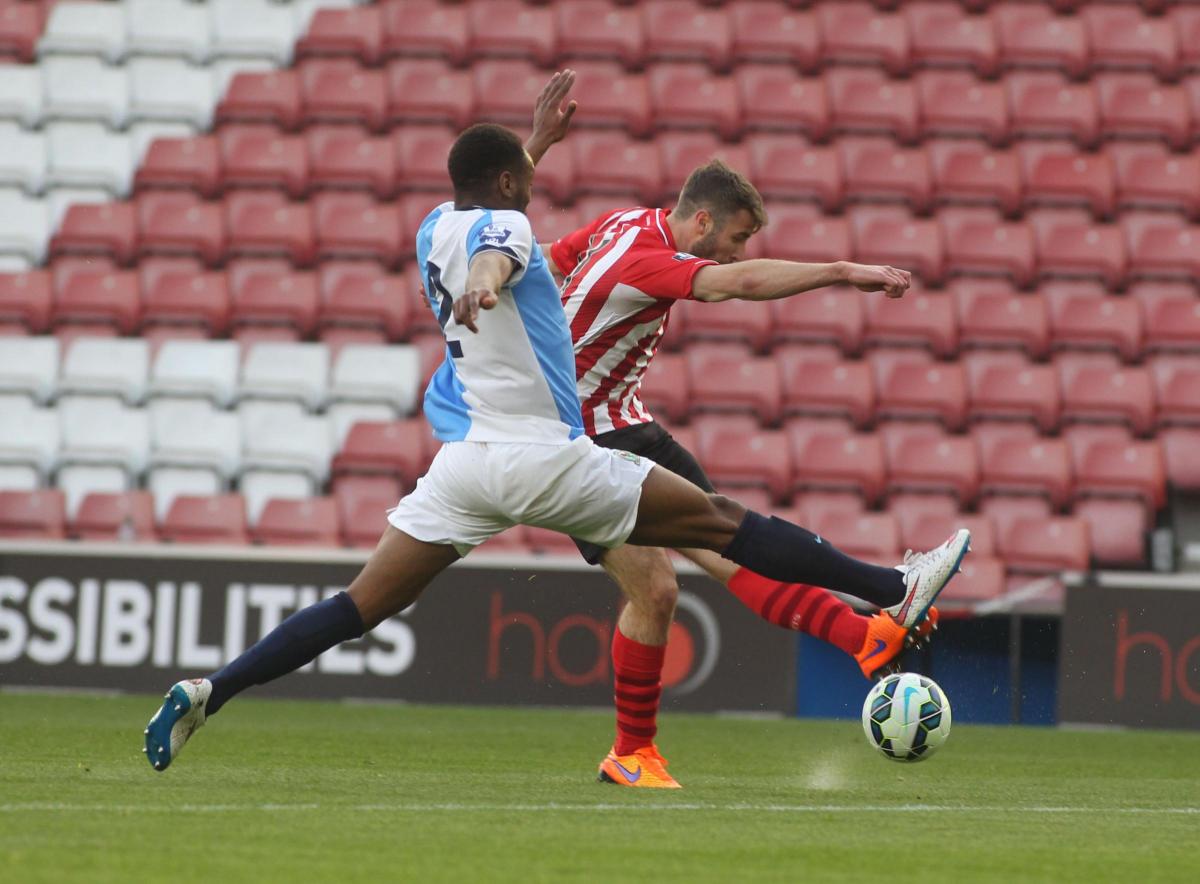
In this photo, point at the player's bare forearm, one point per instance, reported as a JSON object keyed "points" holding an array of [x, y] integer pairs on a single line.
{"points": [[550, 119], [765, 279], [487, 275]]}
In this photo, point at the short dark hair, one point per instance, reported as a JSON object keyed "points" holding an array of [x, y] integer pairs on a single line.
{"points": [[480, 154], [722, 191]]}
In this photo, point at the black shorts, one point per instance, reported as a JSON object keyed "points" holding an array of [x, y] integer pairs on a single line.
{"points": [[654, 443]]}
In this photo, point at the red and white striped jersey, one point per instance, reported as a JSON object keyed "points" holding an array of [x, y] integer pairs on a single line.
{"points": [[624, 273]]}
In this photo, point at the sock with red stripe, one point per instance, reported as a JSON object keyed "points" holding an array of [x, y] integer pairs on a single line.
{"points": [[637, 687], [808, 609]]}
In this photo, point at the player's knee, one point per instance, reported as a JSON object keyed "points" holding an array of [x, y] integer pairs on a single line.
{"points": [[662, 594]]}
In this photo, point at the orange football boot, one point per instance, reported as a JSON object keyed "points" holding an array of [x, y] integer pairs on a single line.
{"points": [[644, 769], [886, 639]]}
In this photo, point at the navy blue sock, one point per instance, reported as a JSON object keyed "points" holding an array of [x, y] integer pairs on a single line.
{"points": [[294, 642], [791, 554]]}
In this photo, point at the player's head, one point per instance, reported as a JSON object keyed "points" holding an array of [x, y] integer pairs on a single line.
{"points": [[717, 213], [490, 168]]}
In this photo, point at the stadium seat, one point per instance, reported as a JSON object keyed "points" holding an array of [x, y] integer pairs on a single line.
{"points": [[25, 300], [267, 225], [207, 369], [882, 236], [85, 29], [98, 431], [1179, 447], [1161, 245], [360, 294], [426, 90], [683, 151], [874, 537], [33, 515], [87, 155], [814, 505], [386, 373], [770, 32], [259, 156], [868, 101], [1151, 176], [1186, 20], [263, 295], [665, 389], [177, 296], [180, 224], [424, 28], [401, 449], [876, 170], [1138, 106], [76, 481], [97, 229], [731, 321], [85, 89], [21, 25], [1110, 322], [197, 438], [168, 27], [125, 516], [981, 579], [736, 457], [23, 160], [928, 530], [1031, 35], [1117, 531], [22, 93], [254, 28], [356, 32], [724, 378], [171, 90], [854, 33], [311, 521], [421, 153], [340, 91], [773, 98], [31, 441], [1124, 38], [921, 318], [1017, 390], [955, 103], [506, 89], [688, 96], [977, 244], [1056, 174], [1176, 388], [966, 172], [943, 35], [613, 98], [831, 459], [991, 314], [818, 386], [1046, 104], [363, 502], [617, 165], [260, 486], [1010, 464], [295, 372], [185, 163], [595, 29], [355, 225], [832, 315], [1115, 468], [1057, 543], [511, 29], [98, 298], [29, 366], [341, 158], [115, 367], [1101, 393], [300, 444], [1005, 510], [24, 227], [781, 168], [216, 519], [921, 458], [683, 30], [262, 97], [168, 483]]}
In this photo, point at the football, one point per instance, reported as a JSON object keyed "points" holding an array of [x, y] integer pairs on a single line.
{"points": [[906, 716]]}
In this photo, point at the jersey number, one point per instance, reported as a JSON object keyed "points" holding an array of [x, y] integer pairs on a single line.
{"points": [[443, 304]]}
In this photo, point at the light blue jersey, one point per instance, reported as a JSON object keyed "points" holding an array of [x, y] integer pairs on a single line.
{"points": [[514, 381]]}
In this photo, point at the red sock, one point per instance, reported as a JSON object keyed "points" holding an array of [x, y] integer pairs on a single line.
{"points": [[637, 686], [808, 609]]}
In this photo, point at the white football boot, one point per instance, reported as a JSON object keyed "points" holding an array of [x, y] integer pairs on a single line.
{"points": [[926, 575], [181, 715]]}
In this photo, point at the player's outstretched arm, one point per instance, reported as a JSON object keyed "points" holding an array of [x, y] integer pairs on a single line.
{"points": [[488, 273], [765, 279], [550, 119]]}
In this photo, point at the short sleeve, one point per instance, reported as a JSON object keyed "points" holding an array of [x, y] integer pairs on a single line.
{"points": [[507, 232], [662, 273], [567, 250]]}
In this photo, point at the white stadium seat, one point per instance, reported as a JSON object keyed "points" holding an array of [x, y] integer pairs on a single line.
{"points": [[187, 407], [261, 486], [29, 366], [24, 226], [18, 478], [387, 373], [197, 368], [168, 27], [85, 89], [22, 94], [88, 155], [107, 366], [211, 441], [301, 444], [85, 29], [276, 370], [96, 430], [253, 28], [167, 483], [31, 438], [22, 158], [77, 481], [344, 415], [168, 89]]}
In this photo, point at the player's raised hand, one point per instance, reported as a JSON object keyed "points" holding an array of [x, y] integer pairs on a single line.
{"points": [[466, 308], [870, 278], [551, 119]]}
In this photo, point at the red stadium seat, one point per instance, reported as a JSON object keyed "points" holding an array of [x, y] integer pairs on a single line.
{"points": [[21, 26], [1177, 387], [735, 456], [955, 103], [355, 225], [1004, 511], [1102, 393], [1117, 531], [883, 236], [854, 32], [943, 35], [1057, 174], [665, 388], [311, 521], [1138, 106], [683, 151], [1160, 245], [921, 458], [421, 153], [359, 294], [833, 459], [874, 537], [1174, 324], [1011, 464], [868, 101], [688, 96], [36, 515], [992, 314], [772, 97], [1057, 543], [921, 318], [99, 297], [512, 29], [969, 173], [25, 299], [1071, 247], [550, 222], [819, 386], [740, 322], [782, 168], [1179, 447], [124, 516], [1151, 176], [814, 505], [356, 32], [876, 170], [921, 530], [344, 158], [1114, 322], [1031, 35], [596, 29], [426, 90], [172, 223], [982, 579], [506, 89], [723, 378], [1186, 20], [1008, 390], [1047, 104], [263, 296], [362, 504], [174, 294], [682, 30], [267, 225], [1116, 468], [97, 229], [425, 27], [258, 156], [340, 91], [188, 163], [218, 519], [262, 97], [833, 315], [770, 32], [610, 163], [612, 98], [1125, 38], [399, 449]]}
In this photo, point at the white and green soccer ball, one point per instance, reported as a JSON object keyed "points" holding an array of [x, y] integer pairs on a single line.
{"points": [[906, 716]]}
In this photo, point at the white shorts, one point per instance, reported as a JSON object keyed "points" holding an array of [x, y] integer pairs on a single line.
{"points": [[475, 490]]}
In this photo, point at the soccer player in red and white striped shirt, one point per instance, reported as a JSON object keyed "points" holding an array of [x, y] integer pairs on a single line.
{"points": [[622, 274]]}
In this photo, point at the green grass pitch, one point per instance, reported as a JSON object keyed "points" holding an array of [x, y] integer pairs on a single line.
{"points": [[301, 792]]}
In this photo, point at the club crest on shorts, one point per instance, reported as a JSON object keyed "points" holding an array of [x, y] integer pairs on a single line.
{"points": [[629, 456]]}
